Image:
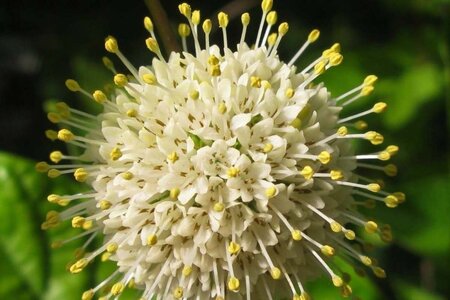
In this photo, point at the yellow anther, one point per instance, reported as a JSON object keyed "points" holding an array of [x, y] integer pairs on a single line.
{"points": [[223, 19], [213, 60], [379, 107], [218, 207], [336, 47], [365, 260], [194, 95], [63, 109], [272, 18], [346, 291], [148, 24], [233, 284], [99, 96], [275, 273], [327, 250], [367, 90], [297, 123], [52, 217], [63, 202], [373, 187], [88, 224], [304, 296], [337, 281], [390, 170], [400, 196], [266, 5], [335, 59], [245, 19], [265, 84], [112, 247], [105, 204], [132, 283], [115, 154], [78, 266], [127, 175], [196, 17], [149, 78], [80, 175], [392, 149], [360, 125], [374, 137], [107, 63], [187, 270], [271, 192], [120, 80], [384, 155], [117, 288], [72, 85], [379, 272], [152, 240], [105, 256], [184, 30], [53, 198], [289, 93], [78, 221], [255, 81], [174, 193], [336, 175], [185, 10], [215, 70], [172, 157], [283, 28], [152, 45], [207, 26], [54, 117], [391, 201], [328, 53], [88, 295], [65, 135], [371, 227], [56, 244], [335, 226], [320, 68], [178, 292], [42, 167], [51, 134], [53, 173], [111, 44], [342, 131], [233, 172], [296, 235], [307, 172], [222, 108], [131, 113], [306, 110], [370, 80], [324, 157], [350, 235], [233, 248], [313, 36], [267, 148], [56, 156]]}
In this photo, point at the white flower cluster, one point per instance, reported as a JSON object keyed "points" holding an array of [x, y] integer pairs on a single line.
{"points": [[220, 174]]}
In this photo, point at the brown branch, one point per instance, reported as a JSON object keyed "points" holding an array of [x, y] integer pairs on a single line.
{"points": [[162, 25]]}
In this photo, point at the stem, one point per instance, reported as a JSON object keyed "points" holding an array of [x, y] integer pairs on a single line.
{"points": [[162, 24]]}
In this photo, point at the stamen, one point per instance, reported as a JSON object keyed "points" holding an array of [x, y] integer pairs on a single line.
{"points": [[271, 19], [312, 37], [266, 6], [223, 23], [245, 19]]}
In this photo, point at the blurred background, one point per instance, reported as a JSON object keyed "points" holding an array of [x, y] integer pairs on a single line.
{"points": [[404, 42]]}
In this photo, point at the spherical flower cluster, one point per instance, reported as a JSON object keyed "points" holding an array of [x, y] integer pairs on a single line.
{"points": [[223, 174]]}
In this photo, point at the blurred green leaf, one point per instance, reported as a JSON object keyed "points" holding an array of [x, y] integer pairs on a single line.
{"points": [[407, 290]]}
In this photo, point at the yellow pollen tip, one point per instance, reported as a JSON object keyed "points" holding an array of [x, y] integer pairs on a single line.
{"points": [[384, 155], [271, 40], [327, 250], [56, 156], [374, 137], [307, 172], [370, 80], [271, 192], [80, 175], [350, 235], [152, 45], [400, 196], [78, 221], [313, 36], [390, 170], [184, 30], [337, 281], [107, 63], [99, 96], [207, 26], [215, 70], [346, 291], [120, 80], [360, 125], [391, 201], [336, 47], [127, 175], [336, 59], [296, 123], [178, 293], [172, 157], [115, 154], [213, 60], [336, 175], [222, 108], [335, 227], [65, 135], [53, 173], [233, 284], [112, 247], [233, 172], [187, 270], [275, 273], [255, 81], [267, 148], [117, 288], [272, 18], [266, 5], [265, 84], [324, 157], [283, 28], [365, 260], [88, 224], [105, 204], [223, 19], [296, 235], [54, 117], [78, 266], [42, 167], [218, 207], [233, 248], [56, 244], [379, 272], [185, 10], [53, 198], [379, 107], [392, 149], [148, 24], [174, 193], [245, 19], [51, 134], [196, 17], [320, 68], [289, 93], [342, 131], [367, 90], [72, 85], [371, 227], [328, 53], [152, 240], [111, 44], [194, 95], [87, 295], [373, 187]]}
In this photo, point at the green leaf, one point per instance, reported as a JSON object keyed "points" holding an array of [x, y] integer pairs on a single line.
{"points": [[409, 291]]}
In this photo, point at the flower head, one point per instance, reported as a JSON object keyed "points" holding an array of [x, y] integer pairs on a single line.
{"points": [[220, 170]]}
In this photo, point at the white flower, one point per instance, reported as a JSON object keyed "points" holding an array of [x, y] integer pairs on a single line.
{"points": [[220, 173]]}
